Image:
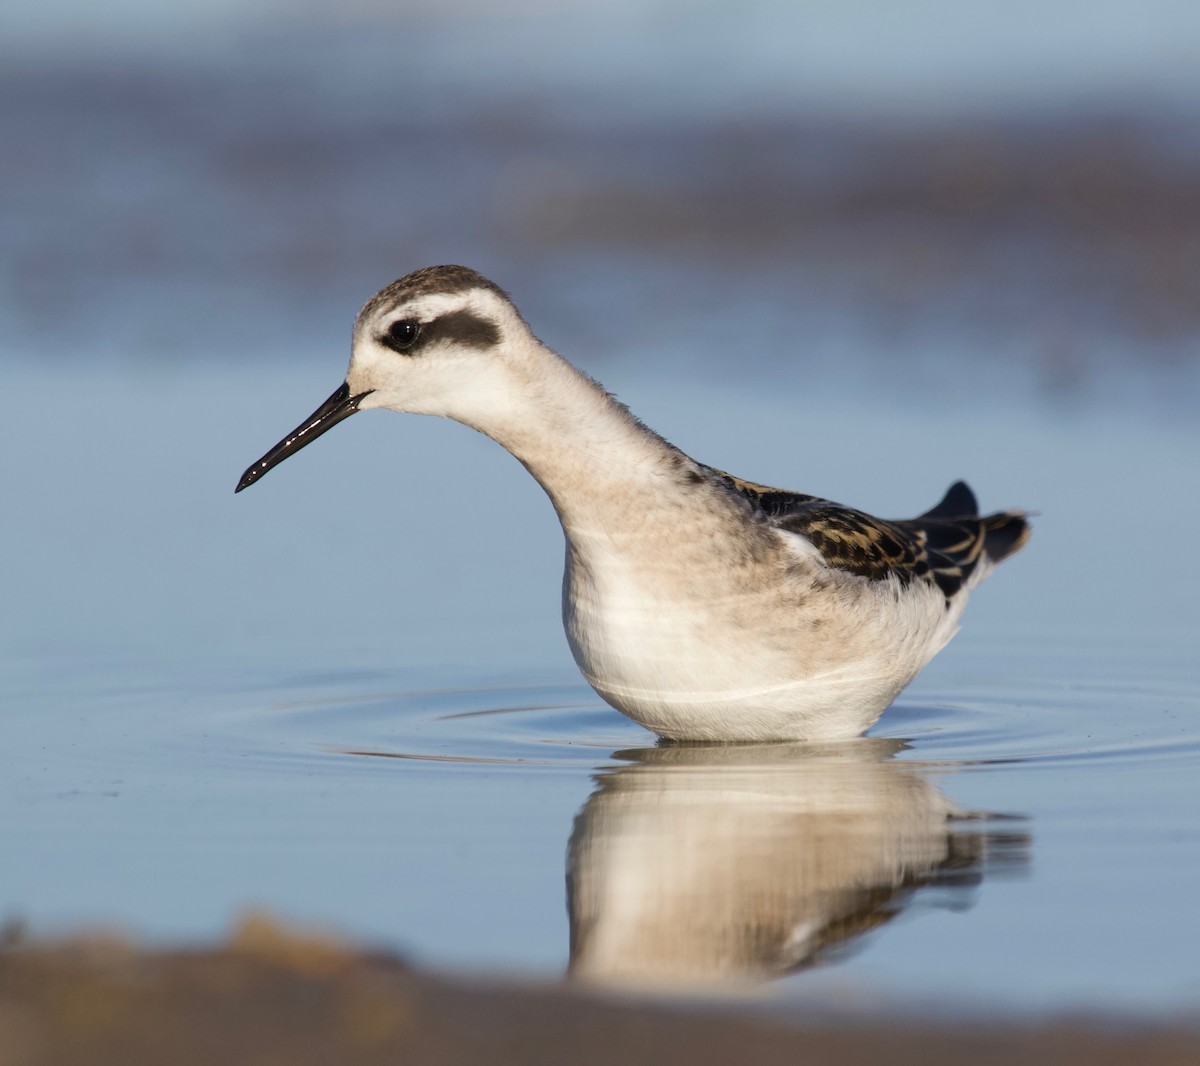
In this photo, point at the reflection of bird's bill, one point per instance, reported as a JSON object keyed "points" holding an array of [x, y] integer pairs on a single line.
{"points": [[709, 863]]}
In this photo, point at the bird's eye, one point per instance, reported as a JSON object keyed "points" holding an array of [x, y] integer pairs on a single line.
{"points": [[402, 334]]}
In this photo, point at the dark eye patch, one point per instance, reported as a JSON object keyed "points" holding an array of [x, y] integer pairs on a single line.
{"points": [[405, 335], [462, 327]]}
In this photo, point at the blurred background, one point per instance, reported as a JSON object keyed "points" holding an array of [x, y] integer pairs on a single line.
{"points": [[857, 248], [940, 193]]}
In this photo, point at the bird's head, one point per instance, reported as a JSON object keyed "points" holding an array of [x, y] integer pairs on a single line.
{"points": [[441, 341]]}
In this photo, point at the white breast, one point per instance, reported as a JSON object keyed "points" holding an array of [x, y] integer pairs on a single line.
{"points": [[692, 654]]}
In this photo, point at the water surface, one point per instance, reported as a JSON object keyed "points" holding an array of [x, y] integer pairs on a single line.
{"points": [[345, 697]]}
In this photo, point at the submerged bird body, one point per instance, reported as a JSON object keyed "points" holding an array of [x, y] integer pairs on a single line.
{"points": [[702, 606]]}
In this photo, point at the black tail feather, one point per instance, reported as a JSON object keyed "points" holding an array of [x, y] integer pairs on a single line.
{"points": [[1004, 534], [959, 502], [957, 537]]}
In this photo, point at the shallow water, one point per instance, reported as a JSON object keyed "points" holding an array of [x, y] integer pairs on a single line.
{"points": [[345, 696]]}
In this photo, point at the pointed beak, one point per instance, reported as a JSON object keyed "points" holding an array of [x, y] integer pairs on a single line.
{"points": [[339, 406]]}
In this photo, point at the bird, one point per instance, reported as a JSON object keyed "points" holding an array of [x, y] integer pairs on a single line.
{"points": [[705, 607]]}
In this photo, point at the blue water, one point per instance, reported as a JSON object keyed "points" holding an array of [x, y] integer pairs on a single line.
{"points": [[345, 697]]}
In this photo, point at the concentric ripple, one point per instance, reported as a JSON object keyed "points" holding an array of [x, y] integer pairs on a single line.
{"points": [[528, 726], [1037, 721]]}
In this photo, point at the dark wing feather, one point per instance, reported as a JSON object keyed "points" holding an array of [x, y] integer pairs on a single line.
{"points": [[942, 546]]}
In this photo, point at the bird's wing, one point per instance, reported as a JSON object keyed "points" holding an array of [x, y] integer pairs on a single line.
{"points": [[942, 547]]}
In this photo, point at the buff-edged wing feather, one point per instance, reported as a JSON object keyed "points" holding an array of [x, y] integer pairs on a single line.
{"points": [[943, 546]]}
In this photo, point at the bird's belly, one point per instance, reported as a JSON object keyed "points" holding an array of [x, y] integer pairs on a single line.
{"points": [[744, 666]]}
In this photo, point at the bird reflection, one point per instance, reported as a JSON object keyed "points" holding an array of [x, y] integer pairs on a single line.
{"points": [[697, 864]]}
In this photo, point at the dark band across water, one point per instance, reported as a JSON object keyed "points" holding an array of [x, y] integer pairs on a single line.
{"points": [[339, 406]]}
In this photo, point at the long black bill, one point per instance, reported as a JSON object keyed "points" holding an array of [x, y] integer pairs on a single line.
{"points": [[340, 405]]}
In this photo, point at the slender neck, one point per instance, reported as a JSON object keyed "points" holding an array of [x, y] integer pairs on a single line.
{"points": [[583, 447]]}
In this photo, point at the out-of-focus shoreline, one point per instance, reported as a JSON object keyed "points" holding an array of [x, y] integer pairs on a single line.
{"points": [[252, 188], [272, 995]]}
